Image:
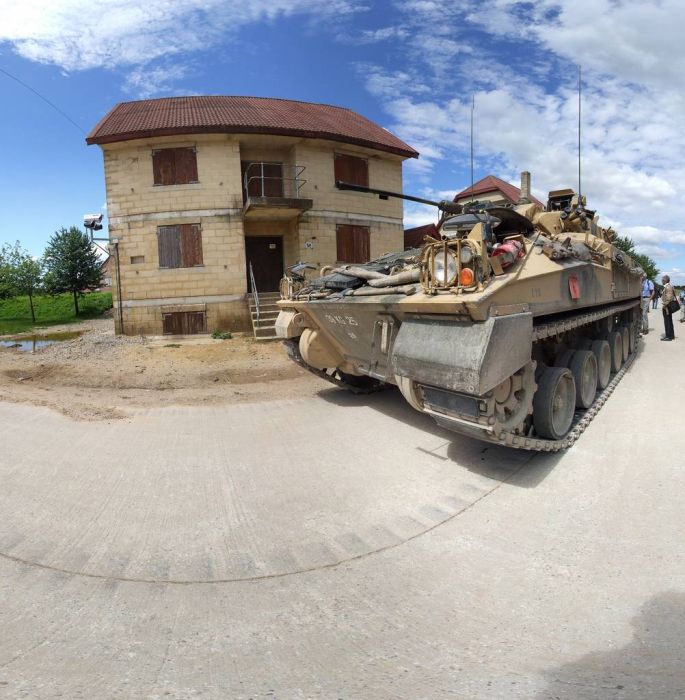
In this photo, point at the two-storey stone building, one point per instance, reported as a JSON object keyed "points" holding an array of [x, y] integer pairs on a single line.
{"points": [[201, 190]]}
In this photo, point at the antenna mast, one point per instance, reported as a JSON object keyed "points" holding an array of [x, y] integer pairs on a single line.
{"points": [[579, 107], [473, 107]]}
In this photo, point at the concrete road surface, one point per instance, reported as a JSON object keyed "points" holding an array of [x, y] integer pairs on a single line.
{"points": [[344, 547]]}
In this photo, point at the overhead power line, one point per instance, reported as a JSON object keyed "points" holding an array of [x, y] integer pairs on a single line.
{"points": [[42, 97]]}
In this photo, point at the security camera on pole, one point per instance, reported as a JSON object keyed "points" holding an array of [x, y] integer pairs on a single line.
{"points": [[93, 222]]}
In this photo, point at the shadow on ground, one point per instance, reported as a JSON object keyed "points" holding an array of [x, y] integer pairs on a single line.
{"points": [[523, 468], [651, 666]]}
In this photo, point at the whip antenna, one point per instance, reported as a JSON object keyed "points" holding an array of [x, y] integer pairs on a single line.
{"points": [[473, 107], [579, 107]]}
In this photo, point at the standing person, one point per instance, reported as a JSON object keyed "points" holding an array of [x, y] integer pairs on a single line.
{"points": [[657, 292], [666, 297], [648, 294], [682, 305]]}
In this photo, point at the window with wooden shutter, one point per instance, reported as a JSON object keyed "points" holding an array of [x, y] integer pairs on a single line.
{"points": [[351, 169], [184, 323], [180, 245], [353, 243], [174, 166]]}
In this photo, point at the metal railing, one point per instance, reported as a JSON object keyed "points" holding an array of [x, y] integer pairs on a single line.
{"points": [[255, 293], [270, 179]]}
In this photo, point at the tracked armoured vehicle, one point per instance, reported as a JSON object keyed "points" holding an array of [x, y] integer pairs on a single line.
{"points": [[512, 324]]}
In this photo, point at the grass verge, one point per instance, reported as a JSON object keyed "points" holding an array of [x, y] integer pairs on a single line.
{"points": [[15, 314]]}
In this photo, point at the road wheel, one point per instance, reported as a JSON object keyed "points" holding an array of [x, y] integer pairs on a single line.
{"points": [[554, 403], [514, 400], [563, 359], [410, 391], [616, 346], [625, 339], [602, 353], [584, 370], [634, 335]]}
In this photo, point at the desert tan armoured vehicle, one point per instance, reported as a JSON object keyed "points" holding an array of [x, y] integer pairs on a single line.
{"points": [[512, 325]]}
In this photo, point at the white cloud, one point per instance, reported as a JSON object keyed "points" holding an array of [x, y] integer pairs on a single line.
{"points": [[374, 36], [148, 81], [635, 41], [650, 235], [419, 215], [80, 34], [519, 60], [655, 252], [676, 274]]}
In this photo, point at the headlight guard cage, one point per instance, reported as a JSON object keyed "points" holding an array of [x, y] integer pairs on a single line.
{"points": [[450, 248]]}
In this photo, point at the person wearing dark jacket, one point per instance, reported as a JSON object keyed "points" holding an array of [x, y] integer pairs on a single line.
{"points": [[657, 293], [667, 296]]}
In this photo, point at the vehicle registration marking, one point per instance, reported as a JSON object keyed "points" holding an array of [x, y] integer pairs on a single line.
{"points": [[341, 320]]}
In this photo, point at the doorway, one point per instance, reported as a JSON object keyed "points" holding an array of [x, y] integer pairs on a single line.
{"points": [[266, 255]]}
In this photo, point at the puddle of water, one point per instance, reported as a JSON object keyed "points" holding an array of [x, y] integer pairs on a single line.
{"points": [[31, 343]]}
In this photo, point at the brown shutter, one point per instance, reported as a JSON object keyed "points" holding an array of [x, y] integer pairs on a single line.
{"points": [[172, 324], [273, 179], [163, 166], [191, 245], [186, 165], [342, 170], [361, 244], [360, 171], [353, 243], [344, 243], [351, 169], [184, 323], [254, 177], [169, 246], [195, 322]]}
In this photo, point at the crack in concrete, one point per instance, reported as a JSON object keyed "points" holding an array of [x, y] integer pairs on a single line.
{"points": [[267, 577]]}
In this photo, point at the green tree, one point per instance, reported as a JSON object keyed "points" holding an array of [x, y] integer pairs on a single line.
{"points": [[71, 264], [5, 273], [22, 273], [644, 261]]}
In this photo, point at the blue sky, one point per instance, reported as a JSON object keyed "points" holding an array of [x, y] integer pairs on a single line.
{"points": [[410, 65]]}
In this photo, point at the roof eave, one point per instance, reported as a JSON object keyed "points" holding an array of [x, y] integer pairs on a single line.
{"points": [[93, 139]]}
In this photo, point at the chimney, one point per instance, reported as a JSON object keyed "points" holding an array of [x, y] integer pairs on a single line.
{"points": [[525, 188]]}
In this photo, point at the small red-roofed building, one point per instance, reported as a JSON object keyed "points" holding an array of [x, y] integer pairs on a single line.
{"points": [[415, 237], [107, 270], [496, 191], [211, 198]]}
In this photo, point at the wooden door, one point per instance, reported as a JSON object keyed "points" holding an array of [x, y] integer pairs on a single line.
{"points": [[266, 255]]}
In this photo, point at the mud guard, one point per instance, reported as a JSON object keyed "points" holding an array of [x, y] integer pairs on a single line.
{"points": [[463, 356]]}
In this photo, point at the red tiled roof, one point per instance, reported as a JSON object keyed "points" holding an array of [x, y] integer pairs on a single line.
{"points": [[490, 183], [413, 237], [243, 115]]}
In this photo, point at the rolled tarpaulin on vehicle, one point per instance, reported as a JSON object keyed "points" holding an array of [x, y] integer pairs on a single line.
{"points": [[360, 272], [404, 277], [373, 291]]}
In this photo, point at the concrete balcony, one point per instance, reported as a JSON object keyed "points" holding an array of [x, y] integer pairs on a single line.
{"points": [[271, 191]]}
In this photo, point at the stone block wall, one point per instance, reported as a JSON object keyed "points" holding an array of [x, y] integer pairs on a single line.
{"points": [[137, 207]]}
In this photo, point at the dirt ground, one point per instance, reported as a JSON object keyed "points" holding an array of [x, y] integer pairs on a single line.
{"points": [[98, 376]]}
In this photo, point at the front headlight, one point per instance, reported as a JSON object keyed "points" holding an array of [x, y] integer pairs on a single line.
{"points": [[445, 267], [466, 254]]}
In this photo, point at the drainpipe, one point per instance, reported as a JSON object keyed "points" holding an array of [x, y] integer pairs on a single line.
{"points": [[116, 255]]}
